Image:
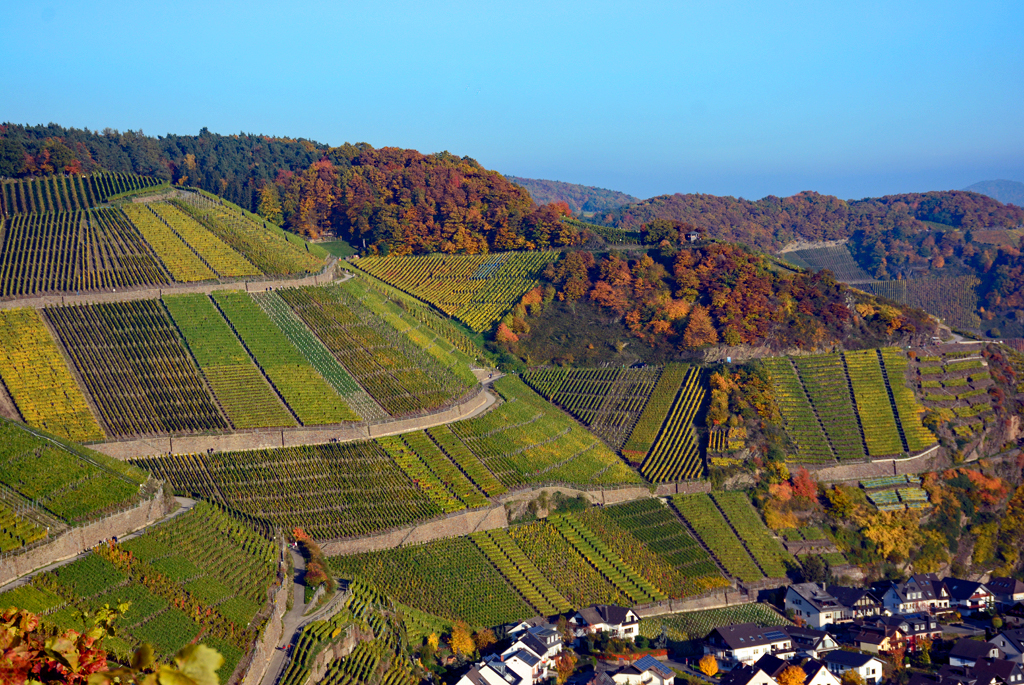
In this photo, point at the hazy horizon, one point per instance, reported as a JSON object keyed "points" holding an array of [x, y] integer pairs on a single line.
{"points": [[742, 99]]}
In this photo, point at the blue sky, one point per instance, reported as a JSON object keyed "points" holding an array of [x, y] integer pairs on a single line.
{"points": [[730, 98]]}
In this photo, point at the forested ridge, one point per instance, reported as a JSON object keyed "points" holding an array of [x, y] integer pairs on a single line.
{"points": [[394, 199], [771, 222], [581, 199]]}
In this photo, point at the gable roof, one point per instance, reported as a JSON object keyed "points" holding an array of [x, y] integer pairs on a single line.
{"points": [[963, 589], [498, 665], [602, 678], [848, 659], [473, 675], [649, 663], [605, 613], [816, 595], [1000, 668], [972, 649], [849, 596], [1005, 586], [1015, 637], [742, 635], [772, 665]]}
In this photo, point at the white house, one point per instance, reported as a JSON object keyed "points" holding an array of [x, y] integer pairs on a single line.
{"points": [[813, 604], [967, 595], [767, 669], [967, 652], [868, 667], [644, 671], [544, 642], [811, 643], [608, 618], [1008, 591], [745, 643]]}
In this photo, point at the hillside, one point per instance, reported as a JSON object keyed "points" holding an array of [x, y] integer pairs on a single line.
{"points": [[582, 200], [1007, 192], [394, 199]]}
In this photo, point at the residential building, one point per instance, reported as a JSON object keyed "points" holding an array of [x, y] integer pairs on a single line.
{"points": [[767, 669], [1012, 644], [920, 592], [913, 627], [967, 652], [810, 643], [856, 602], [644, 671], [544, 641], [812, 603], [968, 596], [1007, 591], [1006, 671], [609, 618], [876, 639], [868, 667], [745, 643]]}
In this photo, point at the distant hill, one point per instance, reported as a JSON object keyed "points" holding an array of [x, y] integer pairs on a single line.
{"points": [[1007, 192], [581, 199]]}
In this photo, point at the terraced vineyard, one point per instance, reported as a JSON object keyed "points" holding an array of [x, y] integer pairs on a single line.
{"points": [[954, 300], [869, 390], [652, 524], [608, 401], [467, 462], [211, 249], [828, 389], [39, 381], [243, 392], [692, 625], [441, 467], [49, 484], [908, 409], [835, 258], [268, 247], [16, 532], [420, 474], [607, 562], [569, 572], [71, 251], [179, 259], [476, 289], [318, 355], [400, 377], [840, 405], [800, 421], [646, 429], [66, 193], [136, 368], [675, 455], [767, 551], [714, 531], [450, 577], [330, 490], [510, 561], [526, 440], [203, 572], [312, 399]]}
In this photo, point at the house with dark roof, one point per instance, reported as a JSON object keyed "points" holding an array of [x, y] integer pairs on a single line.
{"points": [[920, 592], [857, 602], [1007, 591], [913, 627], [745, 643], [868, 667], [544, 641], [813, 604], [1012, 644], [767, 669], [644, 671], [865, 635], [968, 596], [1005, 671], [810, 643], [967, 652], [608, 618]]}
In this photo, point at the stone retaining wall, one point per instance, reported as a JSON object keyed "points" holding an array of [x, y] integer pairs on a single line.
{"points": [[272, 632], [81, 539], [288, 437]]}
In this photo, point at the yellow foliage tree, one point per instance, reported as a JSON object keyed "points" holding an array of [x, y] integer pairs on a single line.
{"points": [[462, 639], [708, 665], [794, 675]]}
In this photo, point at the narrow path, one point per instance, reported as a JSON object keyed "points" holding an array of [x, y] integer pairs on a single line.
{"points": [[327, 275], [291, 620], [290, 437], [186, 504]]}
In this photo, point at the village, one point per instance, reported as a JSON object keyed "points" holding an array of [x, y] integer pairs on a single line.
{"points": [[925, 630]]}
